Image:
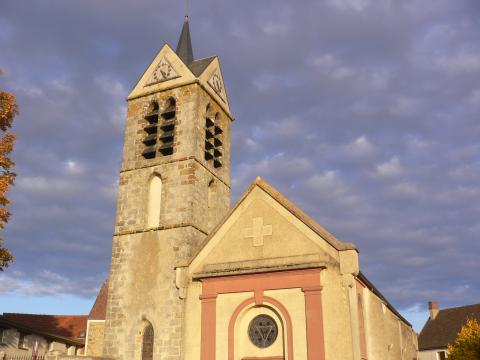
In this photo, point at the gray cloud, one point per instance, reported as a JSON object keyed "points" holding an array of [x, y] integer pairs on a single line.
{"points": [[364, 112]]}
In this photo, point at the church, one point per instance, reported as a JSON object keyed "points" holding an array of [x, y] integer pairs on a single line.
{"points": [[193, 278]]}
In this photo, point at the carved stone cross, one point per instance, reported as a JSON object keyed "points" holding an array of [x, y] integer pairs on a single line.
{"points": [[258, 231]]}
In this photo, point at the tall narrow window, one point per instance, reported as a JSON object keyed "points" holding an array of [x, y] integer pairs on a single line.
{"points": [[21, 341], [160, 129], [154, 201], [213, 137], [147, 342], [151, 131], [167, 128]]}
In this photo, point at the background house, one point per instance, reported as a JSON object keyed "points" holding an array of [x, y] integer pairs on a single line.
{"points": [[26, 334], [20, 334], [442, 328]]}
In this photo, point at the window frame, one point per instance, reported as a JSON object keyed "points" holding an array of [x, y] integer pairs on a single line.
{"points": [[21, 341], [3, 333], [159, 131], [213, 149]]}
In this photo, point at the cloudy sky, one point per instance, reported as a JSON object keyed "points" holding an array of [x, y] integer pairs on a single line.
{"points": [[366, 113]]}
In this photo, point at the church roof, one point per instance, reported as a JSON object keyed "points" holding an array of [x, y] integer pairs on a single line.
{"points": [[197, 67], [361, 276], [184, 47], [99, 308], [292, 208], [441, 331]]}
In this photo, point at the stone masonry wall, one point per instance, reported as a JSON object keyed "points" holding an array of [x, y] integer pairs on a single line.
{"points": [[191, 104], [142, 287], [96, 332], [185, 174], [184, 196]]}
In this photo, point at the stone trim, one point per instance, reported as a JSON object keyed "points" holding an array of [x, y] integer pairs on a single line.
{"points": [[176, 161], [259, 270], [77, 357], [166, 227]]}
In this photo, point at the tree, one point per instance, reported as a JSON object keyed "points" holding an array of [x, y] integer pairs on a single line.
{"points": [[467, 344], [8, 110]]}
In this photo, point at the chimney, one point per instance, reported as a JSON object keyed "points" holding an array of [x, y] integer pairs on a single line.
{"points": [[433, 308]]}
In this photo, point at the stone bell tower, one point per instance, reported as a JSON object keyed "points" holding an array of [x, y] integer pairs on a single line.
{"points": [[174, 188]]}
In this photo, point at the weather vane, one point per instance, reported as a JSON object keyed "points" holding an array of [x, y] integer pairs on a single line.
{"points": [[186, 7]]}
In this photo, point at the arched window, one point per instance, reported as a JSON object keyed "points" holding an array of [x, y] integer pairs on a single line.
{"points": [[213, 137], [154, 201], [160, 129], [147, 341], [168, 127], [151, 131]]}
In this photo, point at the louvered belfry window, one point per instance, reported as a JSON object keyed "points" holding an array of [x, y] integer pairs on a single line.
{"points": [[213, 138], [160, 129]]}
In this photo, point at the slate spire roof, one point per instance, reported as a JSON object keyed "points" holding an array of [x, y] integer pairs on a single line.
{"points": [[184, 47], [185, 52]]}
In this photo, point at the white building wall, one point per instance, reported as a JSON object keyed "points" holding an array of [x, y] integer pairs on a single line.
{"points": [[429, 354]]}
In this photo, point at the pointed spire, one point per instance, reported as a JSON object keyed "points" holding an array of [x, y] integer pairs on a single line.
{"points": [[184, 47]]}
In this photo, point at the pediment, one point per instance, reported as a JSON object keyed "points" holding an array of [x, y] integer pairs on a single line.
{"points": [[262, 233], [165, 71]]}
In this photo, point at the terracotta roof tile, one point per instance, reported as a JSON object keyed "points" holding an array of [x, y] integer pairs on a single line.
{"points": [[99, 308], [443, 330], [68, 326]]}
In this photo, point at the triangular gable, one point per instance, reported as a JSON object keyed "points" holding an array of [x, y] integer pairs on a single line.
{"points": [[212, 80], [265, 230], [165, 71]]}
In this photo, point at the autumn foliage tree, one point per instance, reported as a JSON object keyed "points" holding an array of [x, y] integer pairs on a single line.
{"points": [[467, 344], [8, 110]]}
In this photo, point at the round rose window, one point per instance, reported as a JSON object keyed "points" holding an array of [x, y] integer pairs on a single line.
{"points": [[262, 331]]}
